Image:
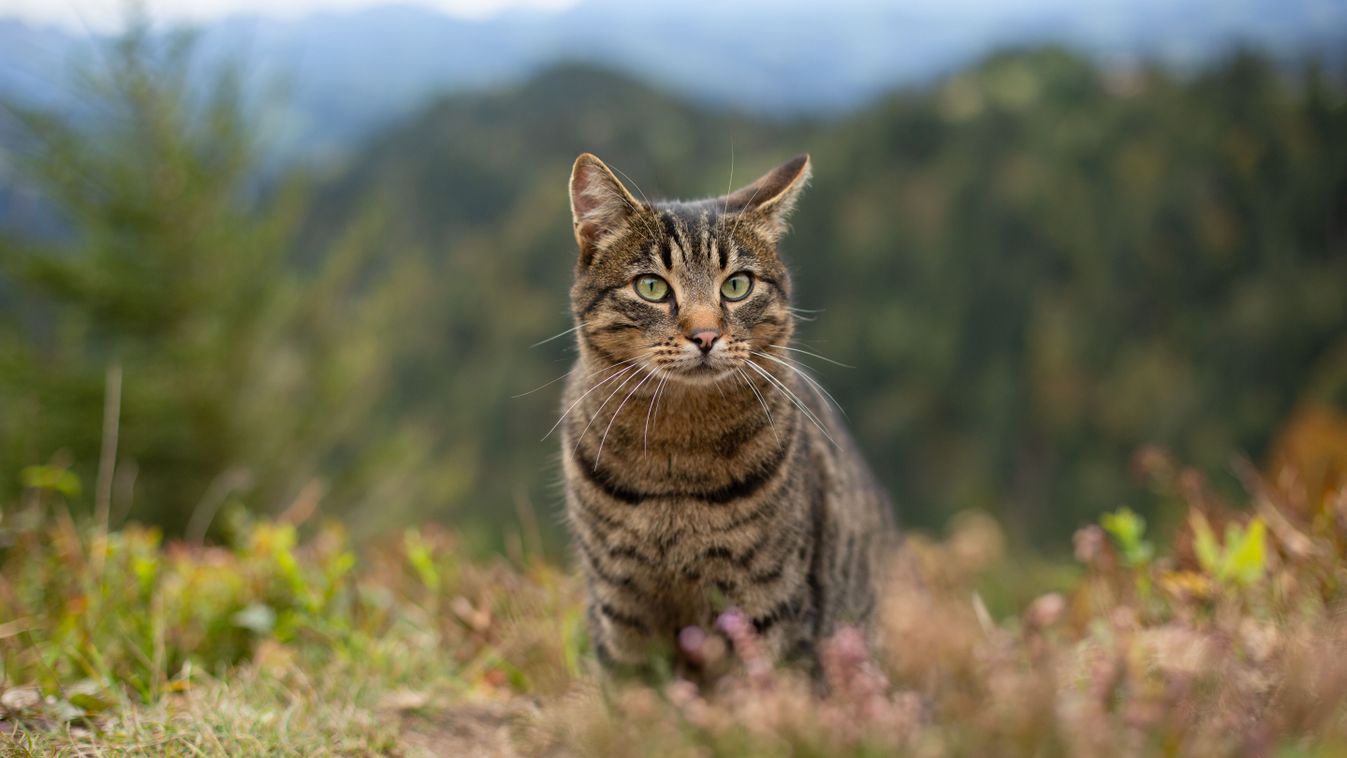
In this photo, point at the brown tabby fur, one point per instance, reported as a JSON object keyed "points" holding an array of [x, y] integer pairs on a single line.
{"points": [[695, 483]]}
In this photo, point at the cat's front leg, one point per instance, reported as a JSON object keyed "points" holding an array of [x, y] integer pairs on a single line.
{"points": [[622, 640]]}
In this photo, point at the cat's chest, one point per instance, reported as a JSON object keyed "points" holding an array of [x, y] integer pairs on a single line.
{"points": [[704, 459], [693, 543], [693, 558]]}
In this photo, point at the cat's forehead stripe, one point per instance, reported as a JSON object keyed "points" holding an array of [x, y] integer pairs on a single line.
{"points": [[666, 245], [672, 238], [664, 250], [704, 234], [682, 224]]}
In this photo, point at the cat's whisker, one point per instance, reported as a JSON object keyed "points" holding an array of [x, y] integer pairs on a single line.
{"points": [[563, 376], [654, 401], [762, 400], [814, 355], [604, 404], [790, 395], [729, 186], [658, 396], [804, 370], [540, 387], [559, 335], [603, 369], [617, 413], [591, 389], [819, 389], [644, 199]]}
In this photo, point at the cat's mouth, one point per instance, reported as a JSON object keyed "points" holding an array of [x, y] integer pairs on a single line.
{"points": [[700, 373], [686, 363], [704, 368]]}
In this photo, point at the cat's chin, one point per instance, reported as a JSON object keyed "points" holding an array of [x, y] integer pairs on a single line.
{"points": [[700, 374]]}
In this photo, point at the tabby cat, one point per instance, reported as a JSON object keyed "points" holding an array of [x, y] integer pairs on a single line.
{"points": [[704, 470]]}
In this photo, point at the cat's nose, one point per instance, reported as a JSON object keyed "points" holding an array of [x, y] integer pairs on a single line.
{"points": [[705, 338]]}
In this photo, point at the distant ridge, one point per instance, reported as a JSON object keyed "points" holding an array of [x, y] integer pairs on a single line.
{"points": [[346, 73]]}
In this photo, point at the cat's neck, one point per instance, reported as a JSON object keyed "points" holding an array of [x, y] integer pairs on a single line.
{"points": [[661, 407]]}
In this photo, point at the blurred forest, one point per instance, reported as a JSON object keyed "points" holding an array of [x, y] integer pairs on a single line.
{"points": [[1035, 268]]}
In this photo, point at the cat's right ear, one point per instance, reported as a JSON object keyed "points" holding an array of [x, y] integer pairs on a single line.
{"points": [[600, 205]]}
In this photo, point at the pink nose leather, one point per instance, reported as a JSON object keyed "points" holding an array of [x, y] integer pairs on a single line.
{"points": [[705, 339]]}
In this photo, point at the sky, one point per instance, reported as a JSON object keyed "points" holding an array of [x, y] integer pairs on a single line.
{"points": [[106, 14]]}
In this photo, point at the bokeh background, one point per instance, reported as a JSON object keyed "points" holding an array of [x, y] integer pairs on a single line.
{"points": [[303, 258]]}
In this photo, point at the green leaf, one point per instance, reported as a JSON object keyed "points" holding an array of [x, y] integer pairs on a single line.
{"points": [[1125, 526], [1204, 545], [518, 680], [92, 704], [1246, 558], [419, 555], [1241, 560], [51, 478], [1129, 530]]}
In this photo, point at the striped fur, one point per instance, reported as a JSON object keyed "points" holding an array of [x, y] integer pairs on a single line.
{"points": [[694, 481]]}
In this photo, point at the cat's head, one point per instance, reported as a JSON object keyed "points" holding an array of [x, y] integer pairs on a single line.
{"points": [[689, 288]]}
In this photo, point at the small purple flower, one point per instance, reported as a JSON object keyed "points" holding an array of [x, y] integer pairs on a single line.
{"points": [[747, 645]]}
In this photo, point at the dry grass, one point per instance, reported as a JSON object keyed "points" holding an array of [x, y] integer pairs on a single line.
{"points": [[1227, 640]]}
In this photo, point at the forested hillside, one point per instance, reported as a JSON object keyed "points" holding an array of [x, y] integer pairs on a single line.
{"points": [[1034, 268]]}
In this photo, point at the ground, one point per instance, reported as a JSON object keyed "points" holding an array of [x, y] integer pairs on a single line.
{"points": [[285, 639]]}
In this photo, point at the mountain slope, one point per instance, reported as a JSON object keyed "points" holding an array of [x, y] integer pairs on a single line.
{"points": [[1037, 266]]}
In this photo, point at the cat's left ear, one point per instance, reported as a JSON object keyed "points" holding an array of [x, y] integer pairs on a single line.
{"points": [[600, 204], [772, 197]]}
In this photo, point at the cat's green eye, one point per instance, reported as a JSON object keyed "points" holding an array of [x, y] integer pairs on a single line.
{"points": [[652, 288], [737, 286]]}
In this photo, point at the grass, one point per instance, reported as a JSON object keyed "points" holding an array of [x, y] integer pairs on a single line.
{"points": [[1223, 639]]}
